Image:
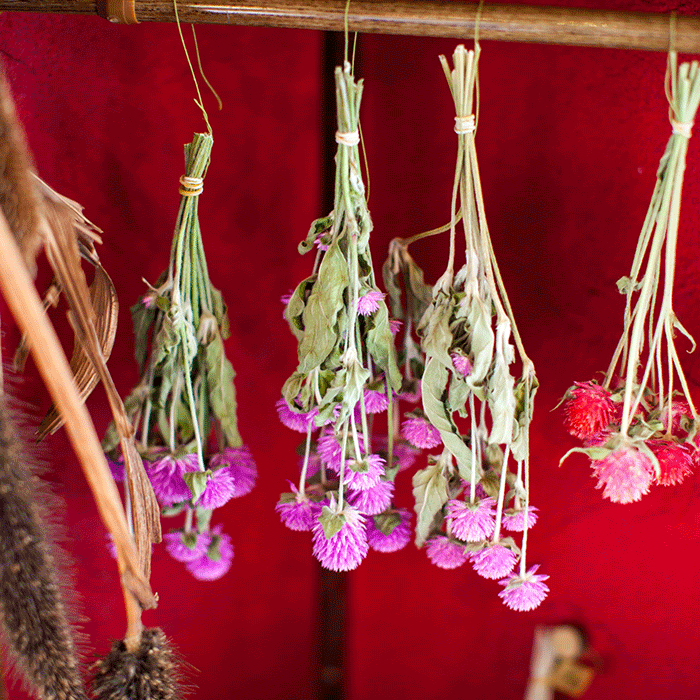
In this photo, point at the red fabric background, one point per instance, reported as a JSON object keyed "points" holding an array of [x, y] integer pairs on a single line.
{"points": [[569, 141]]}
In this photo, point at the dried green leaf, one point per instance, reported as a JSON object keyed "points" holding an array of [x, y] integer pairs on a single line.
{"points": [[222, 393], [331, 522], [380, 344], [430, 494], [196, 483], [322, 308], [481, 344], [142, 318]]}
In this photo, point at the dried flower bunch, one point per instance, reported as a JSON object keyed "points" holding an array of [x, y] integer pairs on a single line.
{"points": [[639, 427], [472, 406], [347, 370], [185, 404]]}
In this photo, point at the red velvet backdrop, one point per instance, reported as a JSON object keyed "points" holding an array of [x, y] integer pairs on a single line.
{"points": [[569, 141]]}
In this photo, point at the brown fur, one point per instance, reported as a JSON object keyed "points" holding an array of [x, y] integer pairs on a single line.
{"points": [[20, 200], [31, 607]]}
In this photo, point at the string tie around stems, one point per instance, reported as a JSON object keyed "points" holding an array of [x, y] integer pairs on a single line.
{"points": [[191, 186], [682, 128], [349, 138], [465, 125]]}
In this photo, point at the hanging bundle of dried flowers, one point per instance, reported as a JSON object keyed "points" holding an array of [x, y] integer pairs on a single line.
{"points": [[472, 406], [347, 371], [639, 427], [186, 393]]}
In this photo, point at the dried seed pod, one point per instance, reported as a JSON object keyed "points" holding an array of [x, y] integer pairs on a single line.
{"points": [[31, 606], [148, 673]]}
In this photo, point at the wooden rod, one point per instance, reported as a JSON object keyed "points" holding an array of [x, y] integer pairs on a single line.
{"points": [[439, 18]]}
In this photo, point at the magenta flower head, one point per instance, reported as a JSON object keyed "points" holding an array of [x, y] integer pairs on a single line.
{"points": [[329, 450], [420, 432], [368, 303], [375, 401], [220, 488], [395, 325], [340, 538], [393, 534], [446, 553], [364, 474], [216, 561], [526, 592], [242, 465], [461, 363], [471, 522], [514, 520], [166, 478], [588, 409], [625, 474], [493, 561], [186, 547], [374, 500], [676, 460], [679, 410], [293, 420], [297, 511]]}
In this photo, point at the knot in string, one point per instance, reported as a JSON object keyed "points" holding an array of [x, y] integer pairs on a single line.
{"points": [[350, 138], [191, 186], [682, 128], [465, 125]]}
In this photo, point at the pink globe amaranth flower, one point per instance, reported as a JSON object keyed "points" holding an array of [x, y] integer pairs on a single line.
{"points": [[361, 481], [494, 561], [216, 560], [293, 420], [397, 539], [374, 500], [588, 409], [625, 474], [420, 433], [472, 522], [461, 364], [446, 553], [221, 485], [165, 475], [368, 303], [177, 545], [676, 460], [375, 401], [526, 592], [299, 514], [514, 520], [242, 465], [395, 325], [116, 468], [329, 450], [346, 548]]}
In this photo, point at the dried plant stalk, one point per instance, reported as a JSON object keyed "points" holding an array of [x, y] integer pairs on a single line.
{"points": [[25, 305]]}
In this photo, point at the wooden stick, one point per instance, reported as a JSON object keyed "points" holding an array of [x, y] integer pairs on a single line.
{"points": [[442, 18], [26, 307]]}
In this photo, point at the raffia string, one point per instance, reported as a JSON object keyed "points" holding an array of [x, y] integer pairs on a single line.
{"points": [[682, 128], [350, 138], [191, 186], [465, 125]]}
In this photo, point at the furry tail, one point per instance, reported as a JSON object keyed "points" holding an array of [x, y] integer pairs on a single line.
{"points": [[32, 612], [148, 673]]}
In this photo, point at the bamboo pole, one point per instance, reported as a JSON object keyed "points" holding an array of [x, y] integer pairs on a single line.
{"points": [[438, 18]]}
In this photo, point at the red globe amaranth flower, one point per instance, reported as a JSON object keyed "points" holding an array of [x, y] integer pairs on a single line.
{"points": [[676, 461], [588, 409], [625, 474]]}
